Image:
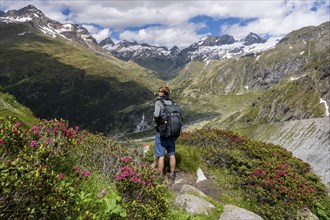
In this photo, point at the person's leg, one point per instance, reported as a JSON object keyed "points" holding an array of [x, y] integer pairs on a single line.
{"points": [[172, 163], [159, 153], [171, 152], [161, 165]]}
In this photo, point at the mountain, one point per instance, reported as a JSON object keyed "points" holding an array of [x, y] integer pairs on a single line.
{"points": [[158, 59], [168, 62], [287, 82], [281, 95], [48, 26], [58, 71], [253, 38]]}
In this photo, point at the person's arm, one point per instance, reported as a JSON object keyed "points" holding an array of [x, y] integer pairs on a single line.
{"points": [[157, 113]]}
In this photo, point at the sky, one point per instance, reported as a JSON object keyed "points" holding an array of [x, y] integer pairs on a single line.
{"points": [[181, 23]]}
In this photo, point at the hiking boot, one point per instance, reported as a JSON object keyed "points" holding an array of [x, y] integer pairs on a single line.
{"points": [[172, 176]]}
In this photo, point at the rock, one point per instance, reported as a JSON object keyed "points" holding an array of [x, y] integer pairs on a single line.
{"points": [[188, 188], [233, 212], [306, 214], [103, 193], [193, 204], [200, 175]]}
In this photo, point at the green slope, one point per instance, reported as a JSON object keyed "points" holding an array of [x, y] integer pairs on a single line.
{"points": [[57, 78], [10, 107]]}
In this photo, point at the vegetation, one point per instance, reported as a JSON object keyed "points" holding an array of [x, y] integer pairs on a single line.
{"points": [[10, 107], [51, 170], [277, 183], [47, 172]]}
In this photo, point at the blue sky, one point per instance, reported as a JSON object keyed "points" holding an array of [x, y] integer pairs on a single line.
{"points": [[181, 23]]}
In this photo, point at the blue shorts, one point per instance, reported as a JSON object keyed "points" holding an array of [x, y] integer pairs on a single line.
{"points": [[163, 144]]}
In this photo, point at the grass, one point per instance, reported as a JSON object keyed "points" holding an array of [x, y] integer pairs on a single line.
{"points": [[10, 107], [188, 158]]}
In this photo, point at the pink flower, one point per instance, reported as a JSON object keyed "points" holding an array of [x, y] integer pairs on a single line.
{"points": [[85, 173], [8, 162], [61, 176], [1, 141], [125, 159], [14, 130], [75, 168], [33, 143], [17, 124]]}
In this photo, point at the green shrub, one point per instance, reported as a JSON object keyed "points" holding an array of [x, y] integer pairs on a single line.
{"points": [[143, 194], [269, 174], [37, 180]]}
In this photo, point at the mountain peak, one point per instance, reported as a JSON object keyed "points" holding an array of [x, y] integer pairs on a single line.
{"points": [[48, 26], [30, 9], [106, 41], [253, 38], [216, 40]]}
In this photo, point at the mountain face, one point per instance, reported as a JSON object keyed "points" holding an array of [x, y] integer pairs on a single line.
{"points": [[158, 59], [168, 62], [57, 73], [48, 26], [288, 82], [253, 38]]}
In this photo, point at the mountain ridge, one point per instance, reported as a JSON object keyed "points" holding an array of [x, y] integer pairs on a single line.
{"points": [[208, 48]]}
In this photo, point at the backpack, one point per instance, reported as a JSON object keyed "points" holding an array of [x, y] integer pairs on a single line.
{"points": [[171, 120]]}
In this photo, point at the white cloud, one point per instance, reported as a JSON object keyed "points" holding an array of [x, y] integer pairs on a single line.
{"points": [[101, 35], [290, 16], [181, 36], [275, 17]]}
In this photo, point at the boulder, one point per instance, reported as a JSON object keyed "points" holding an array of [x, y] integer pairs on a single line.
{"points": [[190, 189], [193, 204], [233, 212]]}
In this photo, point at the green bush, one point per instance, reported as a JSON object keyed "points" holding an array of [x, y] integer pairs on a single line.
{"points": [[269, 174], [142, 192], [37, 180]]}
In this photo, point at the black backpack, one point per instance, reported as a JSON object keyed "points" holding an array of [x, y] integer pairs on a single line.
{"points": [[171, 120]]}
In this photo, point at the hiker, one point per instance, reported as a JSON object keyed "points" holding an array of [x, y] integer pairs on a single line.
{"points": [[166, 141]]}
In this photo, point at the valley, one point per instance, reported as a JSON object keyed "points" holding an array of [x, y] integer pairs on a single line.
{"points": [[59, 71]]}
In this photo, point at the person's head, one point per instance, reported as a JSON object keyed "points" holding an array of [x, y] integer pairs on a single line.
{"points": [[164, 90]]}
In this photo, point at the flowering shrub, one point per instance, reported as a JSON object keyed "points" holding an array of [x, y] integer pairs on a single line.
{"points": [[102, 154], [278, 182], [37, 180], [141, 190]]}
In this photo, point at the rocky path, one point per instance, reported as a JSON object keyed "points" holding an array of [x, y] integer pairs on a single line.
{"points": [[193, 193]]}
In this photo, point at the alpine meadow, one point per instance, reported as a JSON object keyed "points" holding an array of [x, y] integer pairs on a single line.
{"points": [[77, 129]]}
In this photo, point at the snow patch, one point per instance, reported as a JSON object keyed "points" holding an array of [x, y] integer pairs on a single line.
{"points": [[67, 27], [326, 107], [296, 78], [15, 20]]}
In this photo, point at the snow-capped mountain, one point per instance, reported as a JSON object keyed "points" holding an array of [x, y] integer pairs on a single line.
{"points": [[159, 59], [224, 47], [127, 50], [30, 13], [210, 47]]}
